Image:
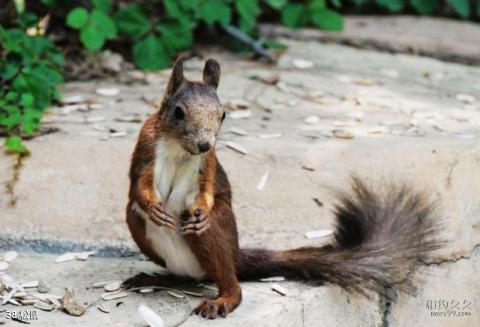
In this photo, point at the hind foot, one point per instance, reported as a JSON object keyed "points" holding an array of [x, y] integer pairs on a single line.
{"points": [[221, 306]]}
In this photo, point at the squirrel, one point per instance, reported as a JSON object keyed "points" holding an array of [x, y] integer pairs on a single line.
{"points": [[180, 211]]}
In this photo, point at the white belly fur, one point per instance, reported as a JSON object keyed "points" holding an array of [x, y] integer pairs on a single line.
{"points": [[176, 182]]}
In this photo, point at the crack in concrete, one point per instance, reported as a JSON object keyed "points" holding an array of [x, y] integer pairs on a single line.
{"points": [[450, 171], [10, 184], [453, 260]]}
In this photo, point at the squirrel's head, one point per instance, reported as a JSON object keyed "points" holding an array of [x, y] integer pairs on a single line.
{"points": [[191, 112]]}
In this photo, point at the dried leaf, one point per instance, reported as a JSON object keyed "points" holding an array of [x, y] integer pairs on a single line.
{"points": [[210, 287], [28, 301], [30, 284], [70, 304], [118, 134], [318, 233], [176, 294], [235, 146], [378, 130], [238, 131], [69, 256], [102, 308], [273, 279], [82, 256], [108, 92], [269, 78], [196, 294], [129, 119], [113, 286], [303, 64], [72, 99], [101, 284], [240, 114], [236, 104], [8, 297], [342, 134], [43, 306], [152, 319], [114, 295], [66, 110], [269, 136], [43, 287], [279, 289]]}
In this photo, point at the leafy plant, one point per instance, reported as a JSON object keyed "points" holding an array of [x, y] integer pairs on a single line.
{"points": [[426, 7], [155, 42], [96, 26], [29, 75]]}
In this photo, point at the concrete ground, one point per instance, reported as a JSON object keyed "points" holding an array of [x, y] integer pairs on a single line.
{"points": [[334, 111]]}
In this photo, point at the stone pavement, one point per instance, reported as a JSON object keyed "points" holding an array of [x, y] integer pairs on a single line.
{"points": [[334, 111]]}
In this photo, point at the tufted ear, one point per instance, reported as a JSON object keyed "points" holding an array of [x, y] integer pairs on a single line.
{"points": [[177, 76], [211, 73]]}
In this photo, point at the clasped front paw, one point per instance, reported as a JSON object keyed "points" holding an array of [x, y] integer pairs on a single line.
{"points": [[196, 224], [159, 215]]}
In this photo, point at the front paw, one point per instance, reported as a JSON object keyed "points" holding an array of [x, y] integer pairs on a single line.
{"points": [[196, 224], [159, 215]]}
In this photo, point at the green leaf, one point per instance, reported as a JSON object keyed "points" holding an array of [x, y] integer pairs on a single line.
{"points": [[212, 11], [103, 24], [28, 19], [10, 116], [133, 21], [31, 120], [150, 54], [77, 18], [425, 7], [272, 44], [174, 10], [392, 5], [49, 2], [103, 5], [277, 4], [248, 10], [315, 5], [14, 144], [91, 38], [294, 15], [336, 3], [11, 96], [328, 20], [27, 99], [19, 6], [461, 7], [175, 36]]}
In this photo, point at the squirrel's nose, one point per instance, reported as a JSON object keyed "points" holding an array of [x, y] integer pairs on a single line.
{"points": [[203, 146]]}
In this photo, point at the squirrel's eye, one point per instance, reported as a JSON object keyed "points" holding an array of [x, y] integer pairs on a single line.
{"points": [[179, 114], [223, 116]]}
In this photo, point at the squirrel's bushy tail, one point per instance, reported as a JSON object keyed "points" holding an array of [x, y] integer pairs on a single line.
{"points": [[378, 241]]}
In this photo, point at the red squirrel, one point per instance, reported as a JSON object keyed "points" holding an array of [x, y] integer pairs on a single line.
{"points": [[180, 211]]}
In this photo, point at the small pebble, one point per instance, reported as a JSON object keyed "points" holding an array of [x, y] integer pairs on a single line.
{"points": [[303, 64], [108, 92], [312, 119]]}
